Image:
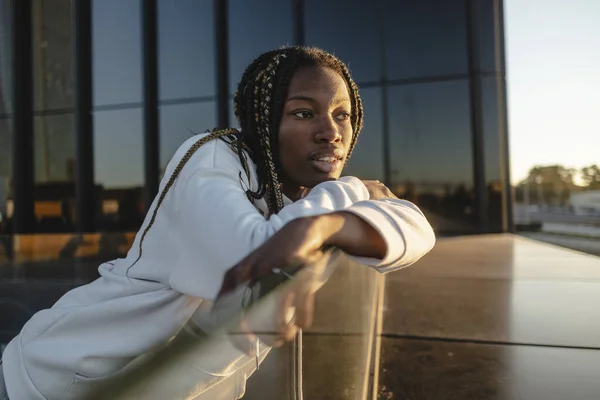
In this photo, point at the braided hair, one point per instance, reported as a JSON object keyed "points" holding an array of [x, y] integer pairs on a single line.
{"points": [[259, 102], [258, 105]]}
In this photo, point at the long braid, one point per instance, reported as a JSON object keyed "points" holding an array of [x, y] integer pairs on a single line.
{"points": [[265, 100], [239, 107]]}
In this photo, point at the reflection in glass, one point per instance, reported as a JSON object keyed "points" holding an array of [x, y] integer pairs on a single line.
{"points": [[430, 151], [185, 49], [180, 122], [367, 161], [256, 27], [54, 155], [116, 51], [54, 148], [350, 30], [5, 121], [5, 57], [494, 152], [487, 21], [5, 174], [52, 54], [118, 167], [425, 38]]}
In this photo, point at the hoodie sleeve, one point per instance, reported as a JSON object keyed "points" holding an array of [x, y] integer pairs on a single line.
{"points": [[407, 233], [217, 226]]}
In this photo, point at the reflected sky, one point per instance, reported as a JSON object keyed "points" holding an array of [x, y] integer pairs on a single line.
{"points": [[116, 52], [118, 151], [186, 50], [350, 31], [430, 136], [425, 38], [180, 122]]}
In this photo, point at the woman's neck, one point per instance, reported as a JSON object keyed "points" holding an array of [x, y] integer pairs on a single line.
{"points": [[294, 193]]}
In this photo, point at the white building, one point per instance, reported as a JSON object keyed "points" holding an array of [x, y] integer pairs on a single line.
{"points": [[585, 202]]}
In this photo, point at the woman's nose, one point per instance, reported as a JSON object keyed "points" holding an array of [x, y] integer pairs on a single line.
{"points": [[329, 131]]}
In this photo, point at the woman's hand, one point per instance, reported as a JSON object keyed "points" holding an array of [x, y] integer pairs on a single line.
{"points": [[301, 243], [378, 191], [277, 319], [298, 242]]}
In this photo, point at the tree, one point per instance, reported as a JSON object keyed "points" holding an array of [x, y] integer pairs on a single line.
{"points": [[549, 185], [591, 177]]}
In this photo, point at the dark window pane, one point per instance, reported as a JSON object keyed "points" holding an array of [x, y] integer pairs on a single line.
{"points": [[119, 168], [180, 122], [52, 54], [116, 47], [425, 38], [491, 128], [186, 49], [5, 172], [5, 107], [54, 148], [495, 154], [256, 27], [5, 56], [367, 158], [350, 30], [54, 155], [487, 22], [430, 150]]}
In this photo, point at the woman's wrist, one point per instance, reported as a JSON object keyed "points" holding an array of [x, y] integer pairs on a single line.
{"points": [[351, 234]]}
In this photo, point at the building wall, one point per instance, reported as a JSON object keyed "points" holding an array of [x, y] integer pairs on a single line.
{"points": [[430, 73]]}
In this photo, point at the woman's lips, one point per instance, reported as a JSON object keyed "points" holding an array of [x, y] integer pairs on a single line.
{"points": [[327, 165], [328, 160]]}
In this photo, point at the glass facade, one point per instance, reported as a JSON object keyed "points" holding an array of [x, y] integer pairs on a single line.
{"points": [[430, 72], [431, 162], [425, 39], [53, 101]]}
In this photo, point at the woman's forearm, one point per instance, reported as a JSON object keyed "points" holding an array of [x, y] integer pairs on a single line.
{"points": [[352, 234]]}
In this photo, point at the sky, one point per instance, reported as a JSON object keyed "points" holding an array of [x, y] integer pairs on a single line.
{"points": [[553, 83]]}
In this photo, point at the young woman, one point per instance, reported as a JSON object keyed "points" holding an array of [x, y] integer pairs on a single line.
{"points": [[234, 206]]}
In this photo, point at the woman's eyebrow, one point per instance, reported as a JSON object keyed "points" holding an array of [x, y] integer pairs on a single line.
{"points": [[301, 97], [337, 101]]}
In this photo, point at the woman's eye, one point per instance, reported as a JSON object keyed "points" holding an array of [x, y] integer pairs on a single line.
{"points": [[343, 116], [303, 114]]}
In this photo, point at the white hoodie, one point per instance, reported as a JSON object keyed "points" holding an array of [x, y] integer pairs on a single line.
{"points": [[204, 226]]}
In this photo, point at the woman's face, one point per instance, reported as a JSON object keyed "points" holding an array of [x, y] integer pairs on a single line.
{"points": [[315, 130]]}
